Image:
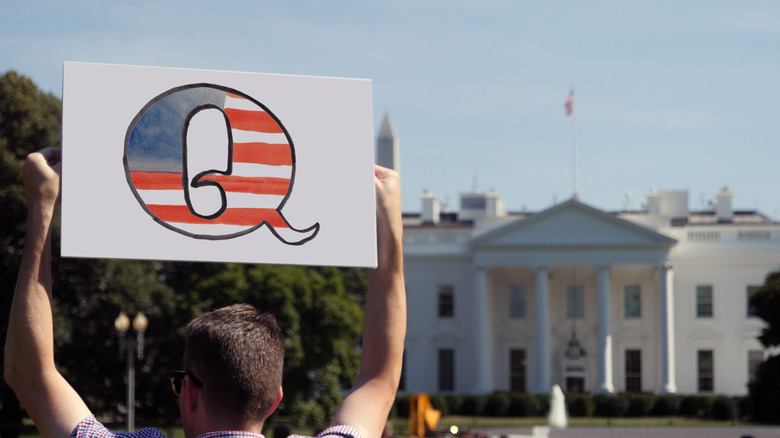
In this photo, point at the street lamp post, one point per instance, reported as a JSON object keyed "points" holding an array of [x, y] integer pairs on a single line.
{"points": [[131, 348]]}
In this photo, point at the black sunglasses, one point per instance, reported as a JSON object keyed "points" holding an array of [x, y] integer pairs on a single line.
{"points": [[177, 377]]}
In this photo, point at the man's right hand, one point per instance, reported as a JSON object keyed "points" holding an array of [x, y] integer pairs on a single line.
{"points": [[41, 174]]}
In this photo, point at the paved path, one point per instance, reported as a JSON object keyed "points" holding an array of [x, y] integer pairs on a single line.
{"points": [[634, 432]]}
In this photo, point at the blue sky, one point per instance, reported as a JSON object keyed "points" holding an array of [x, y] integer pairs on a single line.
{"points": [[676, 95]]}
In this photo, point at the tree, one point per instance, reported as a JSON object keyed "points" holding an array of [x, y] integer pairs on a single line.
{"points": [[765, 389]]}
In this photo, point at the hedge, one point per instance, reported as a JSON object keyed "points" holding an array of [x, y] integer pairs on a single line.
{"points": [[583, 405]]}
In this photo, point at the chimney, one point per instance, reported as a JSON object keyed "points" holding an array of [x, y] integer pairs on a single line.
{"points": [[653, 202], [430, 208], [724, 209]]}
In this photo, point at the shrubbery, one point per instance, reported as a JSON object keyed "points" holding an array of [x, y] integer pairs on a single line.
{"points": [[526, 405], [583, 405], [724, 408], [665, 406], [610, 405], [580, 405]]}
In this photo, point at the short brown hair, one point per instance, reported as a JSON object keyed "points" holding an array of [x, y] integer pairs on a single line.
{"points": [[238, 355]]}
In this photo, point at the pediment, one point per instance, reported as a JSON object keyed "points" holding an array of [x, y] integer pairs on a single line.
{"points": [[572, 224]]}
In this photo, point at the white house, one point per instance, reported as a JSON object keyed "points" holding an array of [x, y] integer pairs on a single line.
{"points": [[642, 301], [652, 301]]}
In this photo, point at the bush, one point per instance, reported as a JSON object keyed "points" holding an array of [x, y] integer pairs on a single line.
{"points": [[665, 406], [544, 405], [764, 394], [401, 406], [639, 405], [607, 405], [743, 406], [497, 405], [474, 405], [455, 404], [524, 405], [439, 402], [696, 406], [724, 408], [579, 405]]}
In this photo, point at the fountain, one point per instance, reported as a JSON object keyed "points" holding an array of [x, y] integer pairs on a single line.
{"points": [[557, 416]]}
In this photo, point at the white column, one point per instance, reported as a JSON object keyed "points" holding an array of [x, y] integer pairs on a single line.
{"points": [[668, 385], [483, 356], [605, 336], [542, 358]]}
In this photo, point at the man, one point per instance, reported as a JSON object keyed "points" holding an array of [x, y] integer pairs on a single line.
{"points": [[58, 411]]}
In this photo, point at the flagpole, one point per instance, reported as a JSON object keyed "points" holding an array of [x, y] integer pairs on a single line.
{"points": [[576, 193]]}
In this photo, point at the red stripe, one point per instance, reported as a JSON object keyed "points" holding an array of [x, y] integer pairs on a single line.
{"points": [[231, 183], [262, 153], [258, 121], [256, 185], [231, 216], [156, 180]]}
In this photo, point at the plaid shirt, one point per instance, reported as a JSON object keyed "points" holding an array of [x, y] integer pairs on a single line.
{"points": [[91, 428]]}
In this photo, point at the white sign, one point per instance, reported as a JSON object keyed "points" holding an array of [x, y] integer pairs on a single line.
{"points": [[178, 164]]}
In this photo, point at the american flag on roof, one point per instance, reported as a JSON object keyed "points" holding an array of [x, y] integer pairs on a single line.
{"points": [[569, 105]]}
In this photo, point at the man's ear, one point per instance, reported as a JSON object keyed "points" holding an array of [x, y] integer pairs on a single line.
{"points": [[190, 393], [279, 396]]}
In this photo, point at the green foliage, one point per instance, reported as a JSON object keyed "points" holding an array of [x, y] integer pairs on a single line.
{"points": [[607, 405], [696, 406], [497, 405], [455, 404], [474, 405], [665, 406], [401, 406], [319, 309], [743, 406], [766, 301], [765, 392], [765, 389], [724, 408], [580, 405], [320, 320], [639, 405], [524, 405], [439, 402], [544, 403]]}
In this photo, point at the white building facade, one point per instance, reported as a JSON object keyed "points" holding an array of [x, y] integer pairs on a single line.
{"points": [[650, 301]]}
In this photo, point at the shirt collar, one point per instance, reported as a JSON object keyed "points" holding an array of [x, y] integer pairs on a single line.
{"points": [[231, 434]]}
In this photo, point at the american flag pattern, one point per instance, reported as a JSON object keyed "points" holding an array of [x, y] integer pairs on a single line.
{"points": [[256, 186]]}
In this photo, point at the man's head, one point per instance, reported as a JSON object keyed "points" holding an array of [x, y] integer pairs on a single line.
{"points": [[237, 354]]}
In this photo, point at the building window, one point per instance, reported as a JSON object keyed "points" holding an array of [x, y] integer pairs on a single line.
{"points": [[751, 310], [755, 358], [575, 302], [632, 302], [517, 302], [704, 301], [706, 368], [633, 370], [446, 301], [447, 369], [575, 384], [517, 363]]}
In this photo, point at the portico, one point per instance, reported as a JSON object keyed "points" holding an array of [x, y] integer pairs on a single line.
{"points": [[577, 271]]}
